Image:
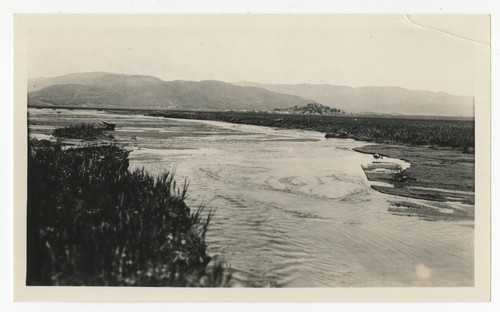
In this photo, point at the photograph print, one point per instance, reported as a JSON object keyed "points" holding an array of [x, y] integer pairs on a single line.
{"points": [[251, 151]]}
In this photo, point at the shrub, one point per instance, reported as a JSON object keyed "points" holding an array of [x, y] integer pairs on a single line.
{"points": [[93, 222], [80, 131], [401, 177]]}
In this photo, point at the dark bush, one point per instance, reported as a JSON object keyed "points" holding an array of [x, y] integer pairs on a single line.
{"points": [[93, 222], [80, 131], [401, 177]]}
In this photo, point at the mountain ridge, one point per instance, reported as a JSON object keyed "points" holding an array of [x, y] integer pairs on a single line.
{"points": [[99, 89], [102, 89]]}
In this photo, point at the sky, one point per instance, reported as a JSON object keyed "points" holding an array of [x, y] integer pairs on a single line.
{"points": [[420, 52]]}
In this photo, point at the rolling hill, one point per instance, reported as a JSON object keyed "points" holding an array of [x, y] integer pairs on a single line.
{"points": [[145, 92]]}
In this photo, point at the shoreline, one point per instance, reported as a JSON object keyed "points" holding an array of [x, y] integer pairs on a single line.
{"points": [[85, 183], [431, 177], [440, 177]]}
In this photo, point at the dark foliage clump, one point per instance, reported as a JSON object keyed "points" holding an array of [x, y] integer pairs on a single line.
{"points": [[401, 177], [80, 131], [93, 222]]}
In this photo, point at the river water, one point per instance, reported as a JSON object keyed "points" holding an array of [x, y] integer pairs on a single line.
{"points": [[292, 209]]}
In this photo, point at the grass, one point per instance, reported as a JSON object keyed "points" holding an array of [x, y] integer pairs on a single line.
{"points": [[431, 132], [93, 222]]}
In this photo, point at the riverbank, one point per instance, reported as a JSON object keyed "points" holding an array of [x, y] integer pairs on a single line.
{"points": [[443, 177], [93, 222], [441, 171], [444, 132], [440, 168]]}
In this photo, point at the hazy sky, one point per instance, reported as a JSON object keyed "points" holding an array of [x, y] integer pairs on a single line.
{"points": [[434, 52]]}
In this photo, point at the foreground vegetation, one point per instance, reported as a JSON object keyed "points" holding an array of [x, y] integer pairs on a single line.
{"points": [[444, 133], [93, 222]]}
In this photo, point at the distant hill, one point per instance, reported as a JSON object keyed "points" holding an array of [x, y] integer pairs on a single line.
{"points": [[310, 109], [379, 100], [93, 79], [100, 89]]}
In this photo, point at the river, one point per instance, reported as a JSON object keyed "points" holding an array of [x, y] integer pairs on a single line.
{"points": [[292, 209]]}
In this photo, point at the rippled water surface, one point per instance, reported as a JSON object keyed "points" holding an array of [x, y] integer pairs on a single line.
{"points": [[292, 208]]}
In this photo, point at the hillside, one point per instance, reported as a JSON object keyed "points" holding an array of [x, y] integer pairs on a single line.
{"points": [[93, 79], [379, 100], [146, 92]]}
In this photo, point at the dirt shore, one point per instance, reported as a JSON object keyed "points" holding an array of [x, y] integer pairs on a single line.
{"points": [[442, 177]]}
